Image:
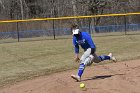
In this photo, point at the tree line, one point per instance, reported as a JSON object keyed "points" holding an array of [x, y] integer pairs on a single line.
{"points": [[25, 9]]}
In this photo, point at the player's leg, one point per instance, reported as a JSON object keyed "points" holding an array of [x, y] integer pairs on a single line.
{"points": [[86, 60], [98, 59], [86, 57]]}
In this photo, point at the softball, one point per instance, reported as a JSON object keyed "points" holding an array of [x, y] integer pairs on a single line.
{"points": [[82, 85]]}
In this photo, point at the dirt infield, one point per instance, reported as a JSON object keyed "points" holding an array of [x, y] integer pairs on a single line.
{"points": [[121, 77]]}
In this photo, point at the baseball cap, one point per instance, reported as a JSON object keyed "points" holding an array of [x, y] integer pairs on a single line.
{"points": [[75, 31]]}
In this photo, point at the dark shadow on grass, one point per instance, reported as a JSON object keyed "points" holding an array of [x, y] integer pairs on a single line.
{"points": [[121, 34], [107, 35], [101, 77], [59, 38]]}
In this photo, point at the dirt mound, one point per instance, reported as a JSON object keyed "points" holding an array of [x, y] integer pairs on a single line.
{"points": [[121, 77]]}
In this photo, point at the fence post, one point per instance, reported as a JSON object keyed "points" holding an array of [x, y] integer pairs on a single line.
{"points": [[17, 28], [125, 24], [17, 32], [89, 25], [53, 30]]}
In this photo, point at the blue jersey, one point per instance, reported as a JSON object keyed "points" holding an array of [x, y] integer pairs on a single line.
{"points": [[84, 40]]}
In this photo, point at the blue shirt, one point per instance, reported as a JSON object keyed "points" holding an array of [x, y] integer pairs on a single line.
{"points": [[84, 40]]}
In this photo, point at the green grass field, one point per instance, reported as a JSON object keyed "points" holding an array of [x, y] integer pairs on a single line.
{"points": [[26, 60]]}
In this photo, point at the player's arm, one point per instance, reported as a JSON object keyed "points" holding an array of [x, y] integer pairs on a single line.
{"points": [[76, 48], [91, 43], [77, 59]]}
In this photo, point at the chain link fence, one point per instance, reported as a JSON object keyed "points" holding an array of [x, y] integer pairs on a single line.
{"points": [[60, 29]]}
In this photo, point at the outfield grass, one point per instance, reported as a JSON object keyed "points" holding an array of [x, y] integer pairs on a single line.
{"points": [[26, 60]]}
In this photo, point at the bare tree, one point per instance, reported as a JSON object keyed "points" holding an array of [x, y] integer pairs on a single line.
{"points": [[2, 4], [44, 8], [74, 7], [22, 11]]}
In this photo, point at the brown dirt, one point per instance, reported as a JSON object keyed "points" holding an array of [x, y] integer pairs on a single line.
{"points": [[121, 77]]}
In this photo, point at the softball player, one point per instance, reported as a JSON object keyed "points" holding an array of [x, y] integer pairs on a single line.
{"points": [[85, 41]]}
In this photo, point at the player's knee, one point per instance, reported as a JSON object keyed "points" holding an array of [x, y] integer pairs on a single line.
{"points": [[97, 60], [89, 60]]}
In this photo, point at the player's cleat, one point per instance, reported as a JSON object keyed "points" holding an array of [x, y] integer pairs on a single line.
{"points": [[76, 77], [112, 57]]}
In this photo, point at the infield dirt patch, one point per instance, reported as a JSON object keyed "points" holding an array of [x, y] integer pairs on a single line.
{"points": [[121, 77]]}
